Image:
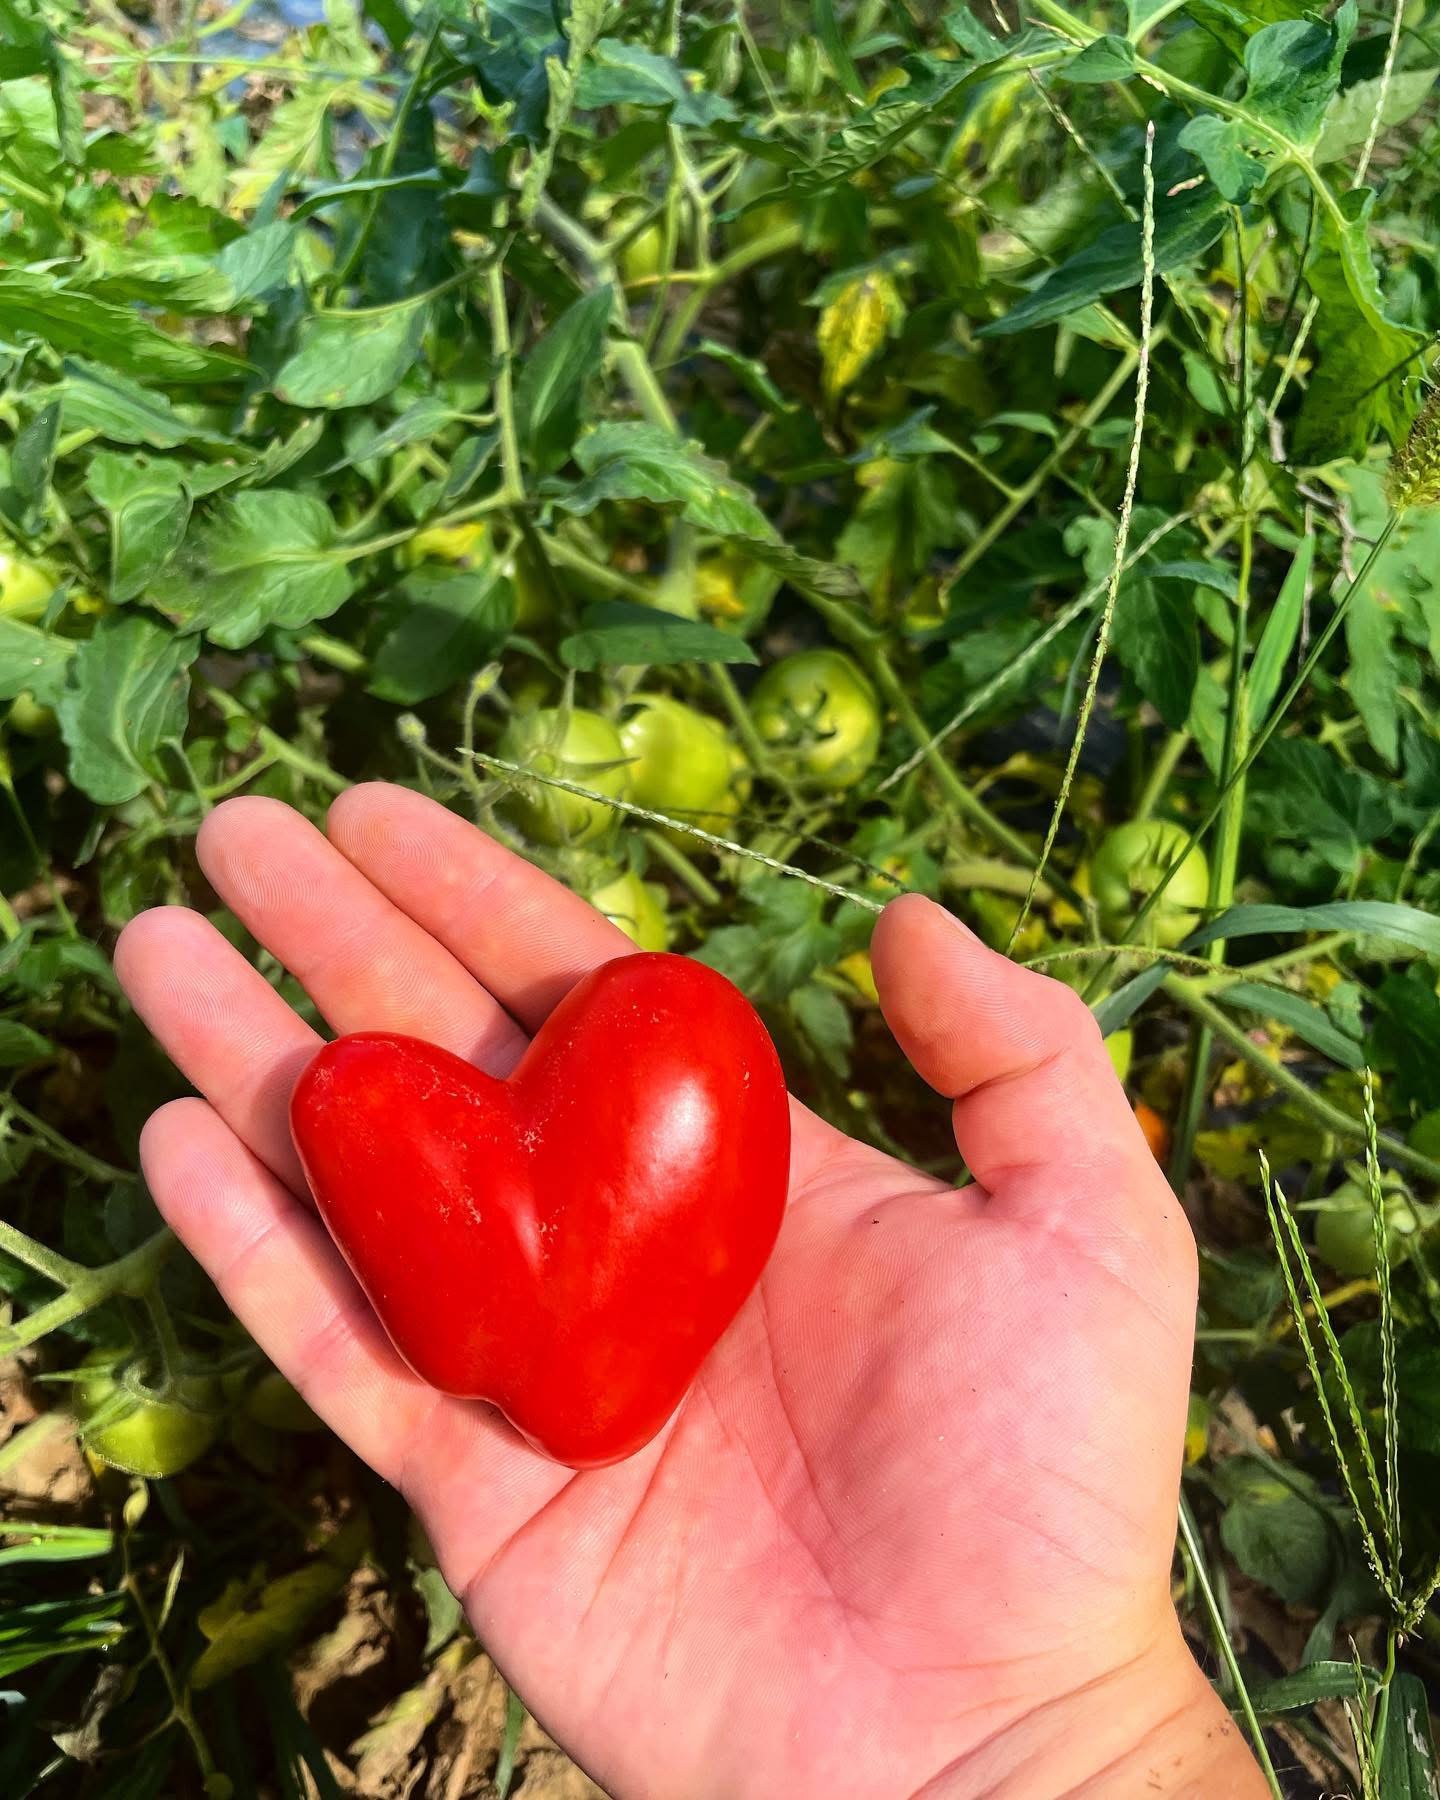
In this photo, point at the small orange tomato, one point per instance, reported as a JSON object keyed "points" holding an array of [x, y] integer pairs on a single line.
{"points": [[1157, 1132]]}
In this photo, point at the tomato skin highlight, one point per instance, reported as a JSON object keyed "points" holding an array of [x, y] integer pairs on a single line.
{"points": [[571, 1242]]}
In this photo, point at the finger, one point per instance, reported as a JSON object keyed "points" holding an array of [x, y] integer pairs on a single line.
{"points": [[458, 1463], [366, 964], [520, 933], [1020, 1055], [222, 1024]]}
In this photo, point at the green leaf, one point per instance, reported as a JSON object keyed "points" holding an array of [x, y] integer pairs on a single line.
{"points": [[39, 306], [1299, 1015], [1293, 71], [1374, 676], [451, 622], [1358, 389], [1300, 1690], [1405, 1037], [1407, 1754], [1351, 112], [149, 509], [806, 574], [1185, 227], [332, 193], [1226, 148], [614, 634], [781, 944], [32, 661], [1406, 925], [630, 461], [1275, 1534], [127, 694], [1157, 637], [620, 74], [32, 461], [1301, 791], [1277, 640], [751, 373], [824, 1021], [101, 400], [262, 558], [1107, 58], [257, 263], [352, 358], [553, 376], [20, 1046]]}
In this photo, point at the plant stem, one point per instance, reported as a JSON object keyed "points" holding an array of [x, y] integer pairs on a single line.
{"points": [[327, 649], [1222, 1026], [513, 478], [1221, 1635], [231, 710], [1263, 736], [37, 1256], [60, 1147], [1000, 522], [1174, 747], [131, 1275], [1227, 853], [675, 859]]}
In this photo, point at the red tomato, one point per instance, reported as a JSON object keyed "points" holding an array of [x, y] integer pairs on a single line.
{"points": [[569, 1243]]}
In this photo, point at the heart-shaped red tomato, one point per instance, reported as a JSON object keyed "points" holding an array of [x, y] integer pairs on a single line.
{"points": [[571, 1242]]}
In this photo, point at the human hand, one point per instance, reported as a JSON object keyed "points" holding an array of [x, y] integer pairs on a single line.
{"points": [[910, 1532]]}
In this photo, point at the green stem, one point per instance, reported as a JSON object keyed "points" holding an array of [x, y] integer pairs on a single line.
{"points": [[1267, 730], [389, 151], [1272, 965], [570, 556], [740, 717], [1227, 855], [1174, 747], [675, 859], [60, 1147], [1223, 1027], [327, 649], [513, 478], [1189, 1532], [39, 1257], [1022, 496], [128, 1275], [232, 711]]}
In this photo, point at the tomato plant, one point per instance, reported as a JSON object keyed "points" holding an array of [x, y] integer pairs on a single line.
{"points": [[750, 412]]}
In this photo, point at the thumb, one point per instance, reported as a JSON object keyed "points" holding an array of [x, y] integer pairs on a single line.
{"points": [[1019, 1054]]}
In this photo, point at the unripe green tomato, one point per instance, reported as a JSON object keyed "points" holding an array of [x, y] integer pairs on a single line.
{"points": [[681, 762], [643, 256], [578, 746], [1424, 1134], [1120, 1048], [819, 713], [635, 906], [30, 718], [273, 1402], [1129, 866], [154, 1438], [25, 586], [754, 179], [1345, 1230]]}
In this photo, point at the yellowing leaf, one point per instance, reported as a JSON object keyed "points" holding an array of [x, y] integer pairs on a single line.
{"points": [[855, 324]]}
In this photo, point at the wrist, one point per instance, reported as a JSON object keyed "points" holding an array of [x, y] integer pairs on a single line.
{"points": [[1153, 1726]]}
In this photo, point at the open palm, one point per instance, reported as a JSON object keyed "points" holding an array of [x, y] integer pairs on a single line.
{"points": [[911, 1529]]}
